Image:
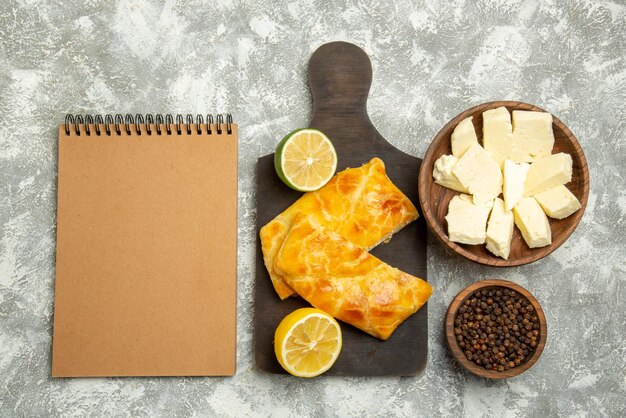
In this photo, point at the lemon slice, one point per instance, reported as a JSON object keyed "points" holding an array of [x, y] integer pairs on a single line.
{"points": [[307, 342], [305, 160]]}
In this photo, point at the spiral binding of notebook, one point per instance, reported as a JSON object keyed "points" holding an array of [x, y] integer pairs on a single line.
{"points": [[147, 124]]}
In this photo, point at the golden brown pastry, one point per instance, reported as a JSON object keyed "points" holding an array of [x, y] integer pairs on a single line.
{"points": [[360, 204], [343, 279]]}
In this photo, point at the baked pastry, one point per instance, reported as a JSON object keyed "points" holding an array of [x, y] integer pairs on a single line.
{"points": [[360, 204], [343, 279]]}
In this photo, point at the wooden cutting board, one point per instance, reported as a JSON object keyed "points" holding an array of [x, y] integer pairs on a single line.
{"points": [[340, 75]]}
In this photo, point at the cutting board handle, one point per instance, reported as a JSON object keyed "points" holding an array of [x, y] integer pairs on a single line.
{"points": [[340, 76]]}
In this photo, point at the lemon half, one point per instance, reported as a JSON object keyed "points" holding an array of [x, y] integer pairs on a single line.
{"points": [[307, 342], [305, 160]]}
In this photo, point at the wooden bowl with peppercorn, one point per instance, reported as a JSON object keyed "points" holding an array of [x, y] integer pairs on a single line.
{"points": [[495, 329]]}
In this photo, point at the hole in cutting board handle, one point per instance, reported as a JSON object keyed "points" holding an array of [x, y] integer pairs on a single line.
{"points": [[340, 76]]}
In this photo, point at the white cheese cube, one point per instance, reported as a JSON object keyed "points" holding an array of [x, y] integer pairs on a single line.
{"points": [[444, 176], [479, 173], [532, 135], [548, 172], [466, 220], [558, 202], [463, 137], [514, 178], [532, 223], [500, 230], [498, 134]]}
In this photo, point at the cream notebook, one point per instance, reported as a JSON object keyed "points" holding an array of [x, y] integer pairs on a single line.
{"points": [[146, 247]]}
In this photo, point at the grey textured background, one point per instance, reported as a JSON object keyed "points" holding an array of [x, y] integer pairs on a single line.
{"points": [[431, 60]]}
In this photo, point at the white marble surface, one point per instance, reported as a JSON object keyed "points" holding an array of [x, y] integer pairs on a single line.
{"points": [[431, 60]]}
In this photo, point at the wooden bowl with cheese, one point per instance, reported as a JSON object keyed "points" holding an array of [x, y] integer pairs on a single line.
{"points": [[476, 226]]}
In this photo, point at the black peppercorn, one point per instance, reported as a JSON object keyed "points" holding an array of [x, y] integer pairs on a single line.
{"points": [[497, 328]]}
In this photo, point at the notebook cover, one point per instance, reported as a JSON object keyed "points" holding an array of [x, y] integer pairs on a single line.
{"points": [[146, 255]]}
